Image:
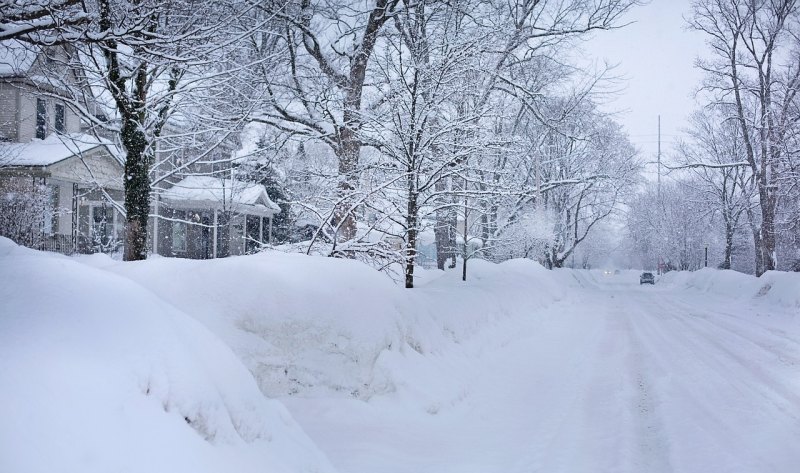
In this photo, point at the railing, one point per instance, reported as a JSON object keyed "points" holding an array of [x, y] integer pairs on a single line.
{"points": [[57, 243]]}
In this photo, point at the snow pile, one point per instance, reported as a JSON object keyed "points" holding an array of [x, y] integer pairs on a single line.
{"points": [[781, 288], [312, 325], [140, 382], [774, 287], [100, 375], [301, 324]]}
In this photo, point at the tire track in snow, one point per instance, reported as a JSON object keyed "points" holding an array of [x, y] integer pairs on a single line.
{"points": [[722, 406], [651, 451], [756, 376], [775, 342]]}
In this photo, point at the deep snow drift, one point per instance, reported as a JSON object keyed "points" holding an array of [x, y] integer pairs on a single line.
{"points": [[98, 374], [174, 365]]}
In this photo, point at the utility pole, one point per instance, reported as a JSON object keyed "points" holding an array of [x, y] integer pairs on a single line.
{"points": [[659, 159], [658, 195]]}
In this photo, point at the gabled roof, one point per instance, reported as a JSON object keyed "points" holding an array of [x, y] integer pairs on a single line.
{"points": [[16, 58], [52, 149], [221, 194]]}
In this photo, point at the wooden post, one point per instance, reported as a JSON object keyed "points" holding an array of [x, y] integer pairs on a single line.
{"points": [[261, 229]]}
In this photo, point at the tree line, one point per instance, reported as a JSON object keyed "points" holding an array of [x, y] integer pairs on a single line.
{"points": [[736, 181], [390, 126]]}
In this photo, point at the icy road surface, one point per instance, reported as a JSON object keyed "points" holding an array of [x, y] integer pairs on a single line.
{"points": [[618, 378]]}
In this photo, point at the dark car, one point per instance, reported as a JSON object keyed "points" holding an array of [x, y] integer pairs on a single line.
{"points": [[647, 278]]}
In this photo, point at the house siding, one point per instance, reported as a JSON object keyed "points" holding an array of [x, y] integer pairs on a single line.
{"points": [[95, 166], [18, 112], [26, 115], [8, 111], [63, 210]]}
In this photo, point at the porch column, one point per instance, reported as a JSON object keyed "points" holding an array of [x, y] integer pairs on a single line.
{"points": [[214, 252], [261, 229], [270, 229], [75, 218], [244, 234]]}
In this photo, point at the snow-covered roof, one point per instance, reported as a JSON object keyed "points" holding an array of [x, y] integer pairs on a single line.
{"points": [[52, 149], [16, 58], [221, 194]]}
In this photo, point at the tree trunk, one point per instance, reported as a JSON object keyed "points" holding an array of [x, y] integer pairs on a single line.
{"points": [[444, 231], [137, 191], [726, 263], [344, 218], [767, 236], [756, 231], [411, 242]]}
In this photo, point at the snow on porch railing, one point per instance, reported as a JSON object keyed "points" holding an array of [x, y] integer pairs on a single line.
{"points": [[57, 243]]}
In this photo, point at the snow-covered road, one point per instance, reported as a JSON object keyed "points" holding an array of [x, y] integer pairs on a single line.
{"points": [[616, 378]]}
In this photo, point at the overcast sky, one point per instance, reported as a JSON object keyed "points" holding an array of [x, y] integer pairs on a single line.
{"points": [[656, 57]]}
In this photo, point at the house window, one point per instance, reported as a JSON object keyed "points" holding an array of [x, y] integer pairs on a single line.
{"points": [[178, 237], [104, 235], [51, 212], [60, 118], [41, 119], [254, 228]]}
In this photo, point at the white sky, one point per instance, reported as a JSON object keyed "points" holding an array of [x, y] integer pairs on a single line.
{"points": [[655, 56]]}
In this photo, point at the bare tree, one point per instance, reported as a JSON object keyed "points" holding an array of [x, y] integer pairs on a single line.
{"points": [[756, 71], [520, 36], [23, 205], [324, 84], [416, 127], [716, 157], [135, 65], [42, 21], [673, 234]]}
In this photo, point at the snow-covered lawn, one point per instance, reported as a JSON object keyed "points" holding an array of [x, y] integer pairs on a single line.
{"points": [[278, 362]]}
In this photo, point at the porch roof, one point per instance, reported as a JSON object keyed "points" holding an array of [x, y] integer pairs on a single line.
{"points": [[53, 149], [208, 192]]}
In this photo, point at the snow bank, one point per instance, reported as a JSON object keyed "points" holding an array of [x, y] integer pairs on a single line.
{"points": [[163, 365], [308, 325], [299, 323], [98, 374], [781, 288], [774, 287]]}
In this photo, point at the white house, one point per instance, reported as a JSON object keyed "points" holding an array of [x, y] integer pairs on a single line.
{"points": [[208, 217], [75, 181], [81, 177]]}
